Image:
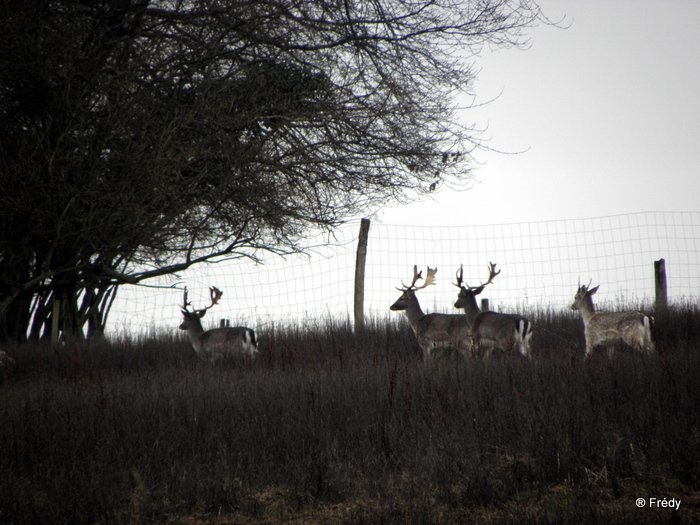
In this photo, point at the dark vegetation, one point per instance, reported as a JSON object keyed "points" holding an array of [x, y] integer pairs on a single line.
{"points": [[331, 428], [141, 137]]}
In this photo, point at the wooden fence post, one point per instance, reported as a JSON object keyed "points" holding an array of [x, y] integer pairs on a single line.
{"points": [[485, 304], [360, 260], [661, 304]]}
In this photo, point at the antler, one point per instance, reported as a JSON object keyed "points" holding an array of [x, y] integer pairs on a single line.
{"points": [[492, 273], [185, 302], [416, 275], [429, 279], [460, 277], [214, 293]]}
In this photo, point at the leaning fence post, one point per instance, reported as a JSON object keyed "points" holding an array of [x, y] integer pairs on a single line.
{"points": [[359, 297], [660, 282]]}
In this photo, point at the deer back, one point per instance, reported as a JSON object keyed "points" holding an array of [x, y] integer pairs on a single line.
{"points": [[632, 327], [219, 343], [510, 332], [444, 327]]}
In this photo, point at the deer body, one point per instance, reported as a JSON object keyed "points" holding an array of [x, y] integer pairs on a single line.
{"points": [[218, 343], [606, 328], [434, 331], [509, 332]]}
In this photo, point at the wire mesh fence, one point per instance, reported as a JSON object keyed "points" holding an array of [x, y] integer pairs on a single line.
{"points": [[541, 264]]}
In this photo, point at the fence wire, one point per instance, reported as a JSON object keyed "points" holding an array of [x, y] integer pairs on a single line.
{"points": [[541, 263]]}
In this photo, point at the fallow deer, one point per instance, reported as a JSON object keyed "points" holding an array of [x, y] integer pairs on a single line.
{"points": [[606, 328], [218, 343], [509, 332], [433, 331]]}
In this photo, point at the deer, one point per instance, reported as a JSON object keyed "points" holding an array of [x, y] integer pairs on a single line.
{"points": [[606, 328], [509, 332], [213, 345], [433, 331]]}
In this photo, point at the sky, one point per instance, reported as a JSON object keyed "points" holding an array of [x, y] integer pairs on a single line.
{"points": [[605, 115]]}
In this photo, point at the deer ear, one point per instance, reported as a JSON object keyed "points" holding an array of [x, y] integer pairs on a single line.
{"points": [[201, 313], [592, 291]]}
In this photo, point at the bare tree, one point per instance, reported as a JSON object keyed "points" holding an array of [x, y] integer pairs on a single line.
{"points": [[140, 137]]}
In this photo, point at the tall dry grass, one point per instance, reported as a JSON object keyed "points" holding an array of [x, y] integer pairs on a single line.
{"points": [[332, 428]]}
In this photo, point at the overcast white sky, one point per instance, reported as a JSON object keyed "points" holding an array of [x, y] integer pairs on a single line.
{"points": [[607, 112]]}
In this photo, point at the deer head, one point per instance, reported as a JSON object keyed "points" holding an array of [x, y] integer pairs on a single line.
{"points": [[583, 298], [196, 315], [467, 294], [409, 292]]}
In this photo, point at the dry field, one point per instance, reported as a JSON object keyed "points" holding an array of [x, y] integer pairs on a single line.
{"points": [[331, 428]]}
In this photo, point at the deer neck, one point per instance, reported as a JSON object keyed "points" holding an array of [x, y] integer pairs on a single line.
{"points": [[587, 309], [471, 310], [414, 313], [194, 332]]}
